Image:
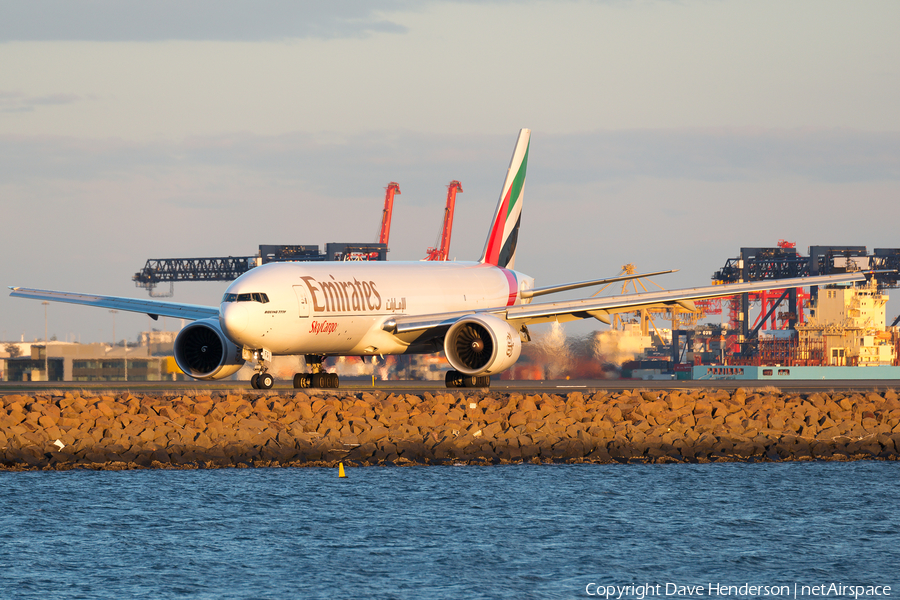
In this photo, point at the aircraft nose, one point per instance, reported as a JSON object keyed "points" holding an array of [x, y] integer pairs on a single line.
{"points": [[234, 319]]}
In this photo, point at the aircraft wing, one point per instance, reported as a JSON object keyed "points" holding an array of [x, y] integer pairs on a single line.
{"points": [[154, 308], [601, 307]]}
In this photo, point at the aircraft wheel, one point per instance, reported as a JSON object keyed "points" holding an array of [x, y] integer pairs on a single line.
{"points": [[254, 381], [470, 381], [302, 380], [453, 379], [265, 381], [325, 380]]}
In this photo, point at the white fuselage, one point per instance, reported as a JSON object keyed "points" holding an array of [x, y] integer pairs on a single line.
{"points": [[340, 308]]}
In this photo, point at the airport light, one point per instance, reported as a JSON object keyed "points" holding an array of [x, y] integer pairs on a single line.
{"points": [[46, 348], [114, 326], [113, 311]]}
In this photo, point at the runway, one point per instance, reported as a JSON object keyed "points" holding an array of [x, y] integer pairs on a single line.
{"points": [[420, 387]]}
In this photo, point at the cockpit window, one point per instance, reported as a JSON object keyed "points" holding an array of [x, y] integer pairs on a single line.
{"points": [[252, 297]]}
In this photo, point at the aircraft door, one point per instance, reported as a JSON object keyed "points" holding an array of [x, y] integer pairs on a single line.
{"points": [[302, 300]]}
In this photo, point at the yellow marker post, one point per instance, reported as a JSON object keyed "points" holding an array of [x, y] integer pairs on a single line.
{"points": [[341, 470]]}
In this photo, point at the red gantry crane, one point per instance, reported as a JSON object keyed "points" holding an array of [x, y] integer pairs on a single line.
{"points": [[442, 252], [392, 188]]}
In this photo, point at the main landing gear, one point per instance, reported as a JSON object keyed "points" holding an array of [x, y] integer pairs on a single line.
{"points": [[318, 378], [457, 379], [262, 380]]}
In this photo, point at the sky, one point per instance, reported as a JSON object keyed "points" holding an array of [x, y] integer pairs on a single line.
{"points": [[667, 134]]}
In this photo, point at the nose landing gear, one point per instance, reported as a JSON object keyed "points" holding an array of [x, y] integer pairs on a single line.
{"points": [[262, 381]]}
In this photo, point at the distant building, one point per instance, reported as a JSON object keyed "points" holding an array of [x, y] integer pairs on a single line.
{"points": [[159, 342], [61, 361], [850, 323]]}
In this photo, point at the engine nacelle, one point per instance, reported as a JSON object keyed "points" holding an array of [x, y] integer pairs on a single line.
{"points": [[482, 345], [203, 352]]}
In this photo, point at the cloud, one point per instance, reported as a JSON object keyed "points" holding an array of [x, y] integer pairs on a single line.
{"points": [[718, 155], [343, 165], [194, 20], [13, 102]]}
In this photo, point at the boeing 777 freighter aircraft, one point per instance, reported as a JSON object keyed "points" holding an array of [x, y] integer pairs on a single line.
{"points": [[477, 313]]}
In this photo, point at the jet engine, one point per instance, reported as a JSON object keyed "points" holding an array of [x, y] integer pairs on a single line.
{"points": [[203, 352], [482, 345]]}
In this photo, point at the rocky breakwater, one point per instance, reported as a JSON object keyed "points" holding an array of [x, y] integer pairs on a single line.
{"points": [[266, 429]]}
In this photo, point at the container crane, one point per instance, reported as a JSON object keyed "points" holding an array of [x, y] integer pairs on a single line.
{"points": [[442, 252], [385, 234], [229, 268]]}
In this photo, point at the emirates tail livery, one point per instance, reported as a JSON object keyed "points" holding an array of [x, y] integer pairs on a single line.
{"points": [[477, 313]]}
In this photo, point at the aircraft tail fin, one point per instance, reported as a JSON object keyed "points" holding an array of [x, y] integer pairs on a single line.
{"points": [[500, 248]]}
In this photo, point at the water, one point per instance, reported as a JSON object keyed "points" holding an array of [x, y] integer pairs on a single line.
{"points": [[447, 532]]}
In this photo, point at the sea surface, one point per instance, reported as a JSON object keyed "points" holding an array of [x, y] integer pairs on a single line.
{"points": [[724, 530]]}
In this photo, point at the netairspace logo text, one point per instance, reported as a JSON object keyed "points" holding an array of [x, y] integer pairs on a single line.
{"points": [[712, 590]]}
